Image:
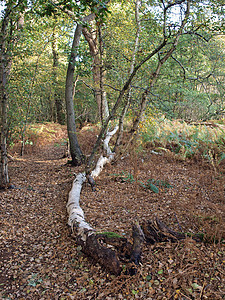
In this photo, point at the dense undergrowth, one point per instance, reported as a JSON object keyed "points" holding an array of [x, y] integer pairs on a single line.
{"points": [[176, 138], [184, 140]]}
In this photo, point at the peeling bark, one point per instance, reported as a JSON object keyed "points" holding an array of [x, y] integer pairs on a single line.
{"points": [[105, 159], [86, 235]]}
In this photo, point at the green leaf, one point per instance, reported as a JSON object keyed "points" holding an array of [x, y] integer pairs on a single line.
{"points": [[160, 272], [190, 290], [196, 286], [222, 157], [148, 277], [153, 188]]}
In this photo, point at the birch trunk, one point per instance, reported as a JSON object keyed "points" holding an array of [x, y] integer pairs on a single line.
{"points": [[86, 235]]}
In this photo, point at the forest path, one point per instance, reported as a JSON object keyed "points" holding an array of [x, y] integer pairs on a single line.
{"points": [[39, 259], [34, 236]]}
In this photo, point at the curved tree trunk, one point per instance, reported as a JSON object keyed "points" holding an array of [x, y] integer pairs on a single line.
{"points": [[75, 151]]}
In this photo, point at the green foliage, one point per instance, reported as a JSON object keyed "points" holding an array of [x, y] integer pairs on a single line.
{"points": [[150, 186], [154, 185], [183, 139], [221, 157], [191, 84], [62, 143], [125, 177], [34, 280]]}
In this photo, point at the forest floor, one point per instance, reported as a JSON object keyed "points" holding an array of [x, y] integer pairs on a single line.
{"points": [[40, 260]]}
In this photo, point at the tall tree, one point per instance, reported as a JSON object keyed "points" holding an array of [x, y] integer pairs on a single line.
{"points": [[11, 23], [57, 99], [94, 39], [76, 153]]}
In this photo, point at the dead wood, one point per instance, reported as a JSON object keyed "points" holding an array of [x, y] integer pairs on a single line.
{"points": [[157, 231], [10, 157], [121, 244], [91, 181], [106, 257], [112, 251], [210, 124], [138, 239]]}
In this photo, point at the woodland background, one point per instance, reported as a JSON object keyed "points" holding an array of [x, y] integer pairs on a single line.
{"points": [[169, 164]]}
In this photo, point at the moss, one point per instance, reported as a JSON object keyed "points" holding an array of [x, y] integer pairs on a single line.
{"points": [[110, 234]]}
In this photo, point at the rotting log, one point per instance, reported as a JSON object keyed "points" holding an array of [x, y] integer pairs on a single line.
{"points": [[105, 256]]}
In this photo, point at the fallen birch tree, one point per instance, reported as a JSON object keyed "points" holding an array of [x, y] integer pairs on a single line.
{"points": [[109, 249], [86, 235]]}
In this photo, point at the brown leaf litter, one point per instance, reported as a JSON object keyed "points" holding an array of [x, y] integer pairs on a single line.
{"points": [[40, 260]]}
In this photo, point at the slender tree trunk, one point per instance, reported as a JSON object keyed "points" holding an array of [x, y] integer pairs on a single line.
{"points": [[96, 50], [58, 101], [4, 63], [76, 153], [4, 177], [136, 45], [104, 102]]}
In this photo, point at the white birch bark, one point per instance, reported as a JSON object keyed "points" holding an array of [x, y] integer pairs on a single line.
{"points": [[75, 212]]}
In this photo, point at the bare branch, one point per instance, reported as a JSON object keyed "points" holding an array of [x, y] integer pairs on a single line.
{"points": [[115, 89], [87, 85], [180, 64]]}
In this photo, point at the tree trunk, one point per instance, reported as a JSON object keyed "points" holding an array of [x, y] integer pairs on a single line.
{"points": [[58, 101], [96, 50], [136, 45], [76, 153], [92, 243], [4, 69], [4, 177]]}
